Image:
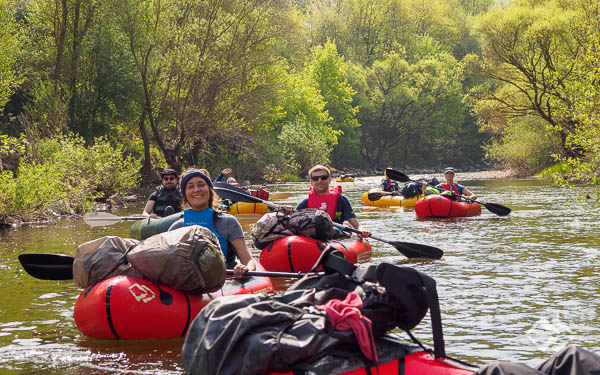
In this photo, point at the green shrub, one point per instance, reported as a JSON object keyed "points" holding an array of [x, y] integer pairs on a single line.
{"points": [[64, 177], [289, 177]]}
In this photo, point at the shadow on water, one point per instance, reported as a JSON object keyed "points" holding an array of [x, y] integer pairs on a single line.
{"points": [[513, 288]]}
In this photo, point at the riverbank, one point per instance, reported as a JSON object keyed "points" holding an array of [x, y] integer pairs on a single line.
{"points": [[492, 174]]}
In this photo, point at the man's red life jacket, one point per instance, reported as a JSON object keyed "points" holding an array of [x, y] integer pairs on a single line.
{"points": [[327, 202]]}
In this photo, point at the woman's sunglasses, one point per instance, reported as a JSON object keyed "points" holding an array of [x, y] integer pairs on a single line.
{"points": [[322, 177]]}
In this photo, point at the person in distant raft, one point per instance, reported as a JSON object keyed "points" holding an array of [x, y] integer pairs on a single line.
{"points": [[167, 194], [451, 186], [388, 184], [200, 201], [332, 201]]}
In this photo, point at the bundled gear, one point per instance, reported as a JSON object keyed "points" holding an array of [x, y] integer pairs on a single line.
{"points": [[260, 193], [309, 222], [450, 194], [188, 259], [411, 189], [257, 334], [101, 259]]}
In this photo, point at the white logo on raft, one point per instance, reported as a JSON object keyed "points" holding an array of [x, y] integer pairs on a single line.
{"points": [[142, 293]]}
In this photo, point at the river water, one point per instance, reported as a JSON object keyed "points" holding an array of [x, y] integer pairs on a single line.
{"points": [[514, 288]]}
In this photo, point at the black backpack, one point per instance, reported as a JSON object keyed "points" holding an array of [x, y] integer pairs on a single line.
{"points": [[309, 222], [411, 189], [255, 334]]}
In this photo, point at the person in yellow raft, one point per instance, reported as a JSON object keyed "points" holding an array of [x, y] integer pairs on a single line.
{"points": [[332, 201], [200, 202]]}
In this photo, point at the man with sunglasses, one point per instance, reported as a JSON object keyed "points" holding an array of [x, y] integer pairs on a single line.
{"points": [[332, 201], [167, 194]]}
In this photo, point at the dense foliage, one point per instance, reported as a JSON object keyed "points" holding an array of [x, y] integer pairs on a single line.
{"points": [[270, 88], [63, 176]]}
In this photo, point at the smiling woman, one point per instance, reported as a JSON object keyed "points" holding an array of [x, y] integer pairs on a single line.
{"points": [[200, 202]]}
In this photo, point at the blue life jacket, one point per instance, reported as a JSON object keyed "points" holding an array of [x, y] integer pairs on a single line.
{"points": [[206, 219]]}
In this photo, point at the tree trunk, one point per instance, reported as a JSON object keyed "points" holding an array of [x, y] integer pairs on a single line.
{"points": [[147, 166]]}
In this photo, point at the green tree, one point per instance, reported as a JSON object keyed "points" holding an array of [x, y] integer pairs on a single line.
{"points": [[328, 70], [201, 67], [410, 109], [526, 52], [583, 92], [302, 124], [10, 46]]}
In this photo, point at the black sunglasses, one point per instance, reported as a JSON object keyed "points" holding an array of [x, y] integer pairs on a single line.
{"points": [[322, 177], [169, 178]]}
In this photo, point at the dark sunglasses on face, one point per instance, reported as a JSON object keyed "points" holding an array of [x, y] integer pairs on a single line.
{"points": [[169, 178], [322, 177]]}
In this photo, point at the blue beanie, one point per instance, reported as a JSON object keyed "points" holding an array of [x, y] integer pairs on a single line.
{"points": [[449, 169], [194, 173]]}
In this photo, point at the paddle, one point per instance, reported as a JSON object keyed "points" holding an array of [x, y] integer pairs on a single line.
{"points": [[498, 209], [102, 219], [397, 175], [377, 195], [281, 195], [60, 267], [408, 249]]}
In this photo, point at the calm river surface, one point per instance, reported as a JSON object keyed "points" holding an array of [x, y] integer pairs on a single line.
{"points": [[513, 288]]}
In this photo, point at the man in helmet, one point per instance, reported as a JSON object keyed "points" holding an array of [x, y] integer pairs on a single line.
{"points": [[167, 194]]}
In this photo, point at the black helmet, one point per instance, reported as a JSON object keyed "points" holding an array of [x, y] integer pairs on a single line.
{"points": [[167, 172]]}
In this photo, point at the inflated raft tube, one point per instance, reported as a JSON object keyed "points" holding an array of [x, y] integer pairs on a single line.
{"points": [[345, 179], [299, 253], [125, 307], [242, 208], [389, 200], [395, 357], [145, 228], [441, 206]]}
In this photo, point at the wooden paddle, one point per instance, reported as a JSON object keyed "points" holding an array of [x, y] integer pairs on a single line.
{"points": [[281, 195], [408, 249], [103, 219], [60, 267]]}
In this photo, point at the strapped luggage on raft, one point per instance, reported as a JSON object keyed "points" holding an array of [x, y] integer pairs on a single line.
{"points": [[187, 259], [309, 222], [259, 334]]}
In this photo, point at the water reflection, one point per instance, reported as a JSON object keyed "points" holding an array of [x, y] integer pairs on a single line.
{"points": [[512, 288]]}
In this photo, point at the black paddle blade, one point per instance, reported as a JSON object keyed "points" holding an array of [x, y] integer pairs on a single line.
{"points": [[396, 175], [415, 250], [498, 209], [235, 196], [48, 266], [375, 196]]}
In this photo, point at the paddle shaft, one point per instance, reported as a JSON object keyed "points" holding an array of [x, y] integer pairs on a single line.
{"points": [[60, 267], [496, 208], [290, 275]]}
